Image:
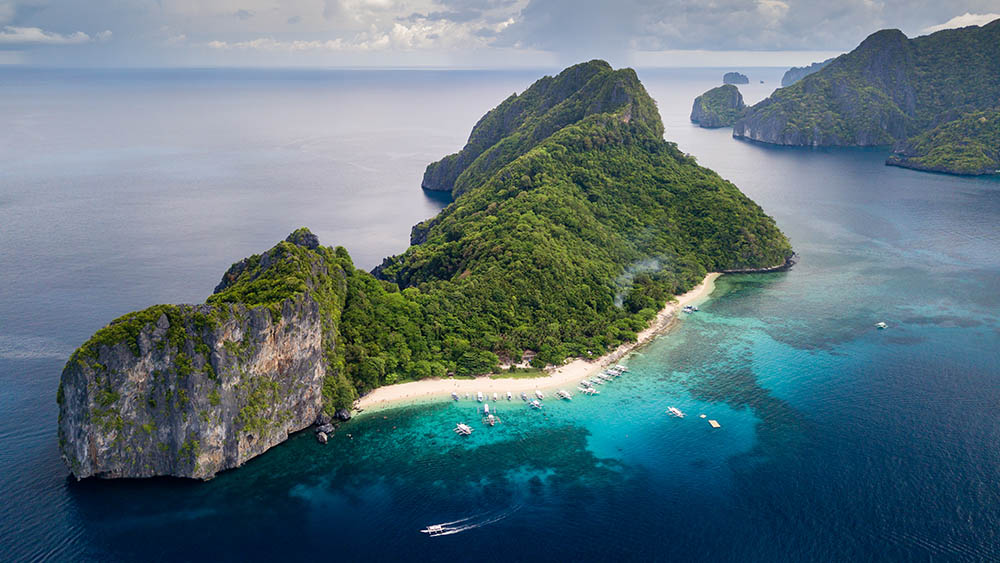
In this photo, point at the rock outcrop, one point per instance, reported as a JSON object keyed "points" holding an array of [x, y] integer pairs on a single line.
{"points": [[735, 78], [719, 107], [968, 145], [191, 390]]}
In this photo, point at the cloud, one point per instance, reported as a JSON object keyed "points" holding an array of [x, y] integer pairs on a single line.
{"points": [[964, 20], [12, 35]]}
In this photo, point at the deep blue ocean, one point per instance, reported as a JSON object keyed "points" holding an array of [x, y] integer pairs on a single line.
{"points": [[122, 189]]}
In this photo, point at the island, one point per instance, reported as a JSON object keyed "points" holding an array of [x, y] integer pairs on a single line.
{"points": [[967, 145], [797, 73], [890, 90], [735, 78], [573, 223], [718, 107]]}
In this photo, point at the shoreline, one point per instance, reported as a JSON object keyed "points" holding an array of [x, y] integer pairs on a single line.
{"points": [[575, 370]]}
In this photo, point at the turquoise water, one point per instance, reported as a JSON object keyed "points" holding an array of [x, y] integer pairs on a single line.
{"points": [[838, 441]]}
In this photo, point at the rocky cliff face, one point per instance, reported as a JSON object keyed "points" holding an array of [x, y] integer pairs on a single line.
{"points": [[199, 390], [191, 390], [719, 107]]}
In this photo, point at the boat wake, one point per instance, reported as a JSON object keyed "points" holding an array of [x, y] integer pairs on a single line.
{"points": [[466, 524]]}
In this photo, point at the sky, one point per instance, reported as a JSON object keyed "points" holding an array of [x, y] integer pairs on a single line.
{"points": [[458, 33]]}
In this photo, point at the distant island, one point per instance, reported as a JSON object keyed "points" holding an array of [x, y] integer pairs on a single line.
{"points": [[922, 95], [797, 73], [735, 78], [718, 107], [573, 224]]}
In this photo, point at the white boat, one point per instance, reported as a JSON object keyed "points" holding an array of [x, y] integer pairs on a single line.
{"points": [[479, 396], [586, 383], [463, 429], [509, 396], [490, 420], [564, 394], [524, 396], [539, 394], [535, 404], [495, 398], [675, 411], [486, 408], [454, 395], [881, 325]]}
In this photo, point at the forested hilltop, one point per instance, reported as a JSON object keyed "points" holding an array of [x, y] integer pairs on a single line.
{"points": [[565, 242], [887, 90]]}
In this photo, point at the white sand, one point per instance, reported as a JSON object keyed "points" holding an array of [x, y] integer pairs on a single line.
{"points": [[564, 375]]}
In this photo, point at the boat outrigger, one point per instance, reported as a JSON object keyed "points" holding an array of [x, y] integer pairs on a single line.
{"points": [[509, 396], [463, 429], [881, 325], [479, 396], [539, 394], [675, 412], [454, 395], [589, 391], [535, 404], [524, 396], [564, 394]]}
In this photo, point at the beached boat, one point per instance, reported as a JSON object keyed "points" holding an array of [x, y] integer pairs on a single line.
{"points": [[479, 396], [535, 404], [495, 397], [586, 383], [564, 394], [675, 412], [509, 396], [524, 396], [589, 391], [454, 395], [539, 394]]}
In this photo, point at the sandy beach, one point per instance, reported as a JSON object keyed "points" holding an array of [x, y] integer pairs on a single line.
{"points": [[564, 375]]}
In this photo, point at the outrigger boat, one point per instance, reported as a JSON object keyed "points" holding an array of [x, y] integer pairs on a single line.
{"points": [[881, 325], [589, 391], [539, 394], [675, 412], [454, 395], [479, 396], [535, 404], [495, 398], [564, 394], [524, 396], [509, 396], [463, 429]]}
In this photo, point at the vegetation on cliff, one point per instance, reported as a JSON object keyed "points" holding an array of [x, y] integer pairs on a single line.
{"points": [[718, 107], [967, 145], [888, 89], [797, 73]]}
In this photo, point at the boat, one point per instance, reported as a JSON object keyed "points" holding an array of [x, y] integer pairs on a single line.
{"points": [[490, 420], [881, 325], [539, 394], [535, 404], [714, 423], [495, 398], [564, 394], [675, 411], [586, 383], [690, 309], [509, 396], [589, 391], [486, 408], [463, 429], [621, 368], [479, 396], [454, 395], [524, 396]]}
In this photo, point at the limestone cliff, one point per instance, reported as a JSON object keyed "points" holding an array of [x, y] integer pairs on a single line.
{"points": [[191, 390], [719, 107], [797, 73], [887, 89], [735, 78]]}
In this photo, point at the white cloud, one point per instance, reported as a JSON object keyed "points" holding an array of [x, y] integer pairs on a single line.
{"points": [[964, 20], [11, 35]]}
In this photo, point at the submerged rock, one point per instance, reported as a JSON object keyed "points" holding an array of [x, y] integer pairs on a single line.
{"points": [[343, 414]]}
